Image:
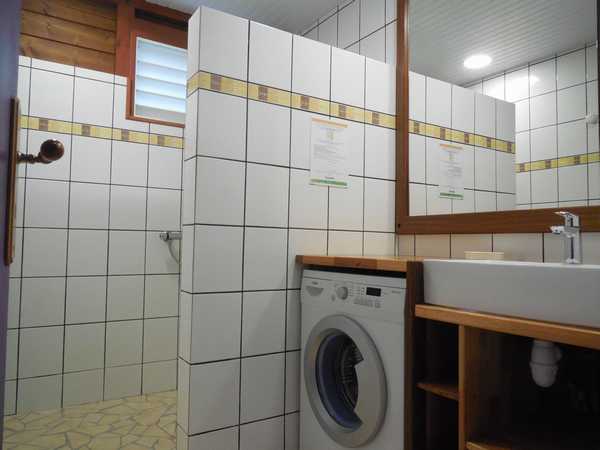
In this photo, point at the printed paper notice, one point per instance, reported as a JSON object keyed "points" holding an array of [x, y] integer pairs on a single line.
{"points": [[451, 172], [328, 154]]}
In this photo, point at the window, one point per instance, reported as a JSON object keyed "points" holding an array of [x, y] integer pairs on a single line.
{"points": [[160, 81]]}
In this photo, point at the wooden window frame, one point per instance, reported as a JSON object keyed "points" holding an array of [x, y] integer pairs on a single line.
{"points": [[518, 221], [129, 28]]}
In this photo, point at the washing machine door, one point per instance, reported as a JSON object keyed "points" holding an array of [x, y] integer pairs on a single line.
{"points": [[345, 381]]}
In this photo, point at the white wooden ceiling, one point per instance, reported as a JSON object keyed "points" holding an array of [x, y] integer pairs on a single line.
{"points": [[290, 15], [513, 32]]}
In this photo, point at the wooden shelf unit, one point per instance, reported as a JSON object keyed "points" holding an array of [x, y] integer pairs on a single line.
{"points": [[494, 405]]}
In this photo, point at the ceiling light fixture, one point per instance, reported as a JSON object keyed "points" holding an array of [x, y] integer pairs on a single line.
{"points": [[477, 61]]}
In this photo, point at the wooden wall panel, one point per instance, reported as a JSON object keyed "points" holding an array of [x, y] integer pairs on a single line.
{"points": [[76, 32]]}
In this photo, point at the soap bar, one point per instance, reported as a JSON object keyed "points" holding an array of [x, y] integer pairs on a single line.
{"points": [[490, 256]]}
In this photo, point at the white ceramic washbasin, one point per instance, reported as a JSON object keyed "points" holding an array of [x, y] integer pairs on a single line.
{"points": [[562, 293]]}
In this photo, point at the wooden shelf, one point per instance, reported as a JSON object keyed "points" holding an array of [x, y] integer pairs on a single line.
{"points": [[443, 389], [487, 445], [548, 331], [384, 263]]}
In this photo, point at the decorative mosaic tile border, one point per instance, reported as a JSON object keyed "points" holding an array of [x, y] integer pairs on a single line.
{"points": [[218, 83], [553, 163], [116, 134], [461, 137]]}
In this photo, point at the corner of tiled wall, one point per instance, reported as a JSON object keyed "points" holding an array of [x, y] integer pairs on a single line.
{"points": [[248, 209], [93, 304]]}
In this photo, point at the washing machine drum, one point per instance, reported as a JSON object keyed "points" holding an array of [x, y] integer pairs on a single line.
{"points": [[345, 381]]}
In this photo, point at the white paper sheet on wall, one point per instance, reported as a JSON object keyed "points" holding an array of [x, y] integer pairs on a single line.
{"points": [[328, 154], [451, 172]]}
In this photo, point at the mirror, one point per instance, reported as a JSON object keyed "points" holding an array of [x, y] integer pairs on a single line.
{"points": [[503, 106]]}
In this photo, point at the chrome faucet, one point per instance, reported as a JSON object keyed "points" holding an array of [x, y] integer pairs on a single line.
{"points": [[571, 232]]}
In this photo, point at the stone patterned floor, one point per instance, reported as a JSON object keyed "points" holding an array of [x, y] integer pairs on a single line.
{"points": [[134, 423]]}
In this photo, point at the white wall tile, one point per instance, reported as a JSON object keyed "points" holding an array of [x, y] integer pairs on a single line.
{"points": [[439, 102], [221, 125], [51, 95], [125, 297], [265, 254], [372, 16], [10, 398], [23, 85], [390, 43], [485, 169], [494, 87], [191, 126], [226, 439], [300, 140], [517, 85], [223, 44], [570, 69], [52, 66], [213, 314], [159, 376], [84, 347], [40, 351], [94, 75], [436, 204], [293, 320], [267, 195], [463, 109], [328, 30], [129, 163], [126, 252], [263, 322], [87, 252], [594, 180], [292, 431], [164, 167], [161, 295], [39, 394], [303, 242], [380, 82], [164, 209], [12, 354], [348, 24], [373, 46], [543, 110], [308, 203], [122, 382], [505, 172], [433, 245], [485, 115], [266, 435], [506, 202], [90, 159], [119, 112], [346, 206], [310, 67], [42, 301], [591, 72], [380, 152], [485, 201], [127, 208], [347, 78], [268, 133], [520, 247], [417, 199], [158, 256], [461, 243], [379, 205], [416, 100], [218, 259], [355, 146], [522, 115], [571, 103], [123, 343], [93, 102], [160, 339], [542, 77], [544, 186], [379, 244], [46, 203], [14, 302], [345, 243], [573, 183], [592, 97], [572, 138], [522, 152], [44, 252], [543, 143], [214, 396], [58, 170], [270, 56], [523, 185], [262, 387], [86, 299], [466, 205], [88, 206], [416, 158], [83, 387], [505, 121]]}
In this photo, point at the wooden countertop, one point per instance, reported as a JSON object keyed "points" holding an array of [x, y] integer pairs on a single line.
{"points": [[387, 263]]}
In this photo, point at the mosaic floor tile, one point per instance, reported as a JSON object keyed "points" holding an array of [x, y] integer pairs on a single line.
{"points": [[144, 422]]}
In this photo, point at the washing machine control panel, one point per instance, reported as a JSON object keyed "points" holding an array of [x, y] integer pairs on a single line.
{"points": [[361, 294]]}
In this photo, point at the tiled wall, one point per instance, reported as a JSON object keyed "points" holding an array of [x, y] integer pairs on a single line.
{"points": [[481, 125], [93, 291], [557, 153], [367, 27], [248, 209]]}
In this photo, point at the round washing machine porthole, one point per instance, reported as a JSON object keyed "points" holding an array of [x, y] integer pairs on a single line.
{"points": [[345, 381]]}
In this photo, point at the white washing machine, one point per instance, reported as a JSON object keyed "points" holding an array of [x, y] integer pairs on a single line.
{"points": [[352, 381]]}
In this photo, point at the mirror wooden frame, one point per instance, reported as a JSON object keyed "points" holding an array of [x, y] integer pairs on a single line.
{"points": [[518, 221]]}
